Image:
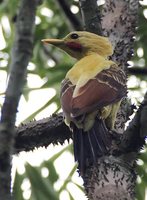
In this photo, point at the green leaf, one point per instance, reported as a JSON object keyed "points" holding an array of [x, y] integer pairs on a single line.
{"points": [[53, 176], [41, 187], [17, 191], [68, 179], [70, 195]]}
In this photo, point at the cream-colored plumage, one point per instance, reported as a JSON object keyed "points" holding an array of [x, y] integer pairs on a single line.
{"points": [[90, 94], [87, 68], [92, 52]]}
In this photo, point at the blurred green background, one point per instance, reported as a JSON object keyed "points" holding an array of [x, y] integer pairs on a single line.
{"points": [[46, 70]]}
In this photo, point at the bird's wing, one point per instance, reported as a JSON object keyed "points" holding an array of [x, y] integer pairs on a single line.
{"points": [[104, 89]]}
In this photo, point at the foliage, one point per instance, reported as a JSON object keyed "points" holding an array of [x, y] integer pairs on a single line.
{"points": [[51, 65], [138, 80], [39, 182]]}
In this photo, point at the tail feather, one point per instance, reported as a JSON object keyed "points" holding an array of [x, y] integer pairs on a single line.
{"points": [[79, 153], [92, 148], [82, 156], [106, 136], [88, 146], [97, 141]]}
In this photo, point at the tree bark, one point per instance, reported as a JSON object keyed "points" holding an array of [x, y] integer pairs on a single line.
{"points": [[114, 175], [21, 54], [51, 130]]}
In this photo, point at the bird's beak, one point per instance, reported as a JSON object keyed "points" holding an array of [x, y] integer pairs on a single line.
{"points": [[56, 42]]}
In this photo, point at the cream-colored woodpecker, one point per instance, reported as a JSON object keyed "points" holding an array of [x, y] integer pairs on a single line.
{"points": [[90, 94]]}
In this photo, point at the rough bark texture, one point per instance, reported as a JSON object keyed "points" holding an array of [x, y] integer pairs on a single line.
{"points": [[21, 53], [137, 128], [114, 176], [119, 22], [41, 133], [110, 179]]}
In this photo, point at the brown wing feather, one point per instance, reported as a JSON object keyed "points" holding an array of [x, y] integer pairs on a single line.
{"points": [[67, 90], [106, 88]]}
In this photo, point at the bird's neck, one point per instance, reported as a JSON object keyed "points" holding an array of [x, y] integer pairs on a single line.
{"points": [[86, 68], [89, 53]]}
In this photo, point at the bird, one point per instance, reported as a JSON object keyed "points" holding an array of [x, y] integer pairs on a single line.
{"points": [[91, 94]]}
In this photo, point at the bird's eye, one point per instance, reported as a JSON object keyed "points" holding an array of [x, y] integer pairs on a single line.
{"points": [[74, 36]]}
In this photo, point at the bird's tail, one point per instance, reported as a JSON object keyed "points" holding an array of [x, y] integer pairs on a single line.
{"points": [[90, 145]]}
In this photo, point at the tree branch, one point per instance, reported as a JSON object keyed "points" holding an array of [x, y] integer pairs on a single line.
{"points": [[21, 54], [137, 71], [75, 22], [100, 181], [41, 133], [91, 16], [134, 137]]}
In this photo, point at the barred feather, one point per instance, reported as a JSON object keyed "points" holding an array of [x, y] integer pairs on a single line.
{"points": [[106, 88], [90, 94]]}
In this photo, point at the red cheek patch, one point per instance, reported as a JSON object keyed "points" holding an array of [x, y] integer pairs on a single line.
{"points": [[74, 46]]}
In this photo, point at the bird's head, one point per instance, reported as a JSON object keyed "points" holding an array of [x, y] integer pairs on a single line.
{"points": [[81, 43]]}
